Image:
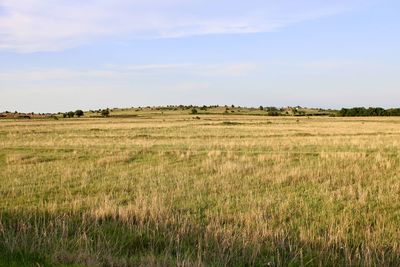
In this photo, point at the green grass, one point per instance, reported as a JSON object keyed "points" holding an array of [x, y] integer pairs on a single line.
{"points": [[225, 190]]}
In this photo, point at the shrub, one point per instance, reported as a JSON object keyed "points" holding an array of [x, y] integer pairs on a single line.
{"points": [[105, 112], [194, 111], [273, 113], [273, 109]]}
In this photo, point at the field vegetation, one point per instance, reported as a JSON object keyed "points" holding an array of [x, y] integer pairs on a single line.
{"points": [[174, 187]]}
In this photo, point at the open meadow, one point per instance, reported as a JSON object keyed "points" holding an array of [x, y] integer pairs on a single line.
{"points": [[172, 188]]}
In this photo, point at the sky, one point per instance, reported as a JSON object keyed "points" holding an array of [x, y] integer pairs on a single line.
{"points": [[60, 55]]}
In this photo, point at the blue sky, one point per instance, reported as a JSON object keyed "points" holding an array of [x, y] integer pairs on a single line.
{"points": [[64, 55]]}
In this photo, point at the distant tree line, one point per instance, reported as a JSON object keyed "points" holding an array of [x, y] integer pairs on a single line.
{"points": [[79, 113], [368, 112]]}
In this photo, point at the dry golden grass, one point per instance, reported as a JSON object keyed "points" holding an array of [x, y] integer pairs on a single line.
{"points": [[221, 190]]}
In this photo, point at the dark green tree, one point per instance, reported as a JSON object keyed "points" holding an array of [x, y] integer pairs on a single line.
{"points": [[79, 113], [105, 112]]}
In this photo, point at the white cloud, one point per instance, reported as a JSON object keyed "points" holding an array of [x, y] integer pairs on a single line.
{"points": [[52, 25]]}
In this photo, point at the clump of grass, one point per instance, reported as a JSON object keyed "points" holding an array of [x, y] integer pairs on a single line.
{"points": [[231, 123]]}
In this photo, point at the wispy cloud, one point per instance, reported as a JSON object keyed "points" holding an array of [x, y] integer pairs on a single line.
{"points": [[52, 25], [324, 65], [121, 72], [124, 71]]}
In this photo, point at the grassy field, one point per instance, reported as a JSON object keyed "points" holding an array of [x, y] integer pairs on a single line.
{"points": [[167, 189]]}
